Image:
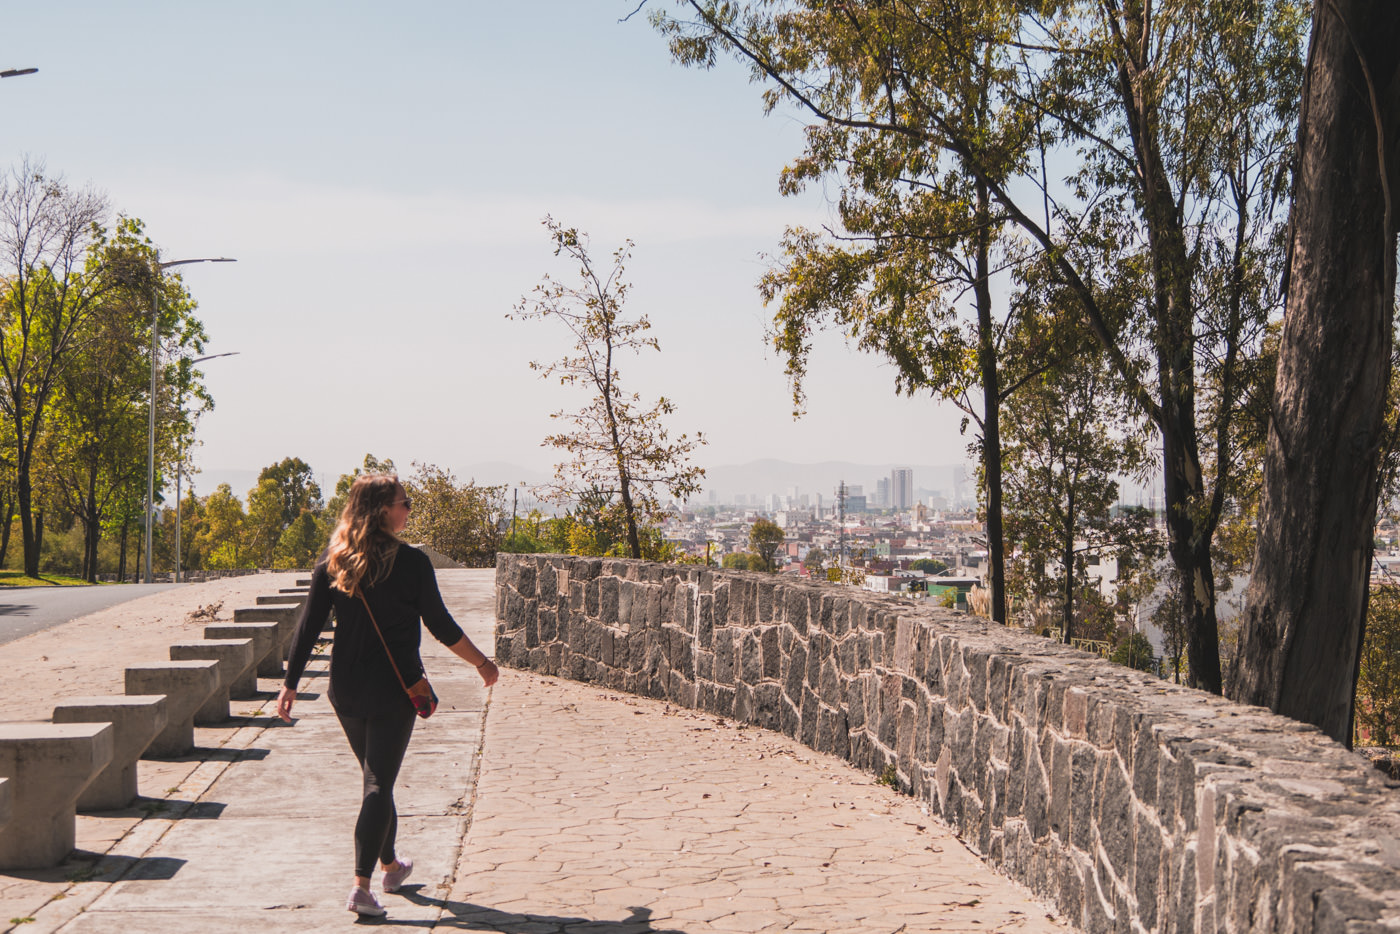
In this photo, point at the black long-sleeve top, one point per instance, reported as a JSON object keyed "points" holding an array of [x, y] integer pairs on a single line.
{"points": [[362, 681]]}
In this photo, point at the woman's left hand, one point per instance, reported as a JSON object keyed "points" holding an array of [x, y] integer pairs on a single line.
{"points": [[489, 672]]}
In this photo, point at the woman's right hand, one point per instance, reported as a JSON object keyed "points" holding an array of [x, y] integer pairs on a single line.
{"points": [[285, 697]]}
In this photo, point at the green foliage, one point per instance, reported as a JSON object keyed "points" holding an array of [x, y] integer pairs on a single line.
{"points": [[618, 446], [371, 465], [654, 546], [942, 122], [1378, 686], [764, 538], [301, 542], [1134, 651], [284, 492], [522, 543], [815, 562], [223, 539], [738, 561], [75, 322], [928, 566], [294, 484], [93, 447], [460, 520], [1066, 439]]}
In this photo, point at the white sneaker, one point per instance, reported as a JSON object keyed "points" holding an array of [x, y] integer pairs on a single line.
{"points": [[363, 902], [395, 878]]}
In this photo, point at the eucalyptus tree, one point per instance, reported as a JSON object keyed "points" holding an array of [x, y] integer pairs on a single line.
{"points": [[1166, 232], [618, 445], [909, 274], [1308, 592]]}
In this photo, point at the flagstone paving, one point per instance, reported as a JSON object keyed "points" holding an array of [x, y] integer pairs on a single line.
{"points": [[538, 806]]}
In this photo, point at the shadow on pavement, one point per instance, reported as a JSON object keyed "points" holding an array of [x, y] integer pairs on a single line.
{"points": [[465, 916], [85, 866], [17, 609], [166, 809], [128, 868], [217, 754]]}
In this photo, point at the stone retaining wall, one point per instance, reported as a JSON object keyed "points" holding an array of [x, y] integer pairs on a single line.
{"points": [[1128, 802]]}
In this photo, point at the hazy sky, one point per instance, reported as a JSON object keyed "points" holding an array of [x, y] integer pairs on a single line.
{"points": [[380, 172]]}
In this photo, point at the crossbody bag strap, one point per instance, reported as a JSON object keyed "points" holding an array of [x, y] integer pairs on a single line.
{"points": [[380, 632]]}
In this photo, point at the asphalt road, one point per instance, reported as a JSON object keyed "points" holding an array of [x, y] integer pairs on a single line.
{"points": [[30, 609]]}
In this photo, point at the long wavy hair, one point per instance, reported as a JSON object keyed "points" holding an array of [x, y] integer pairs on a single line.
{"points": [[362, 548]]}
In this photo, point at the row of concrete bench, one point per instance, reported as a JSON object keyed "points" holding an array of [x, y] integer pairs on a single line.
{"points": [[85, 758]]}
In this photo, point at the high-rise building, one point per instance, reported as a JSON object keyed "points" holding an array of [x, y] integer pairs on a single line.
{"points": [[901, 488], [882, 492]]}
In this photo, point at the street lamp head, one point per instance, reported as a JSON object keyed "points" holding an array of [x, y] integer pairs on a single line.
{"points": [[204, 259], [214, 356], [16, 72]]}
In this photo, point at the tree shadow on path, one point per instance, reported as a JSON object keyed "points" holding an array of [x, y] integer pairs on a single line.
{"points": [[465, 916]]}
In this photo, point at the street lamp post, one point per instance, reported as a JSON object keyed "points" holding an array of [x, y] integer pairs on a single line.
{"points": [[180, 469], [16, 72], [151, 440]]}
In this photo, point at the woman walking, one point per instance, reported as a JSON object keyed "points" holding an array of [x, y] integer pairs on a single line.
{"points": [[380, 588]]}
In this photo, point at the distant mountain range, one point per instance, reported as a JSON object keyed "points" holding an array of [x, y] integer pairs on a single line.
{"points": [[755, 478], [759, 477]]}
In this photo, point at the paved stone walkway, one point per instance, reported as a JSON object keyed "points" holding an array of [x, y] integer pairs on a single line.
{"points": [[599, 812], [541, 806]]}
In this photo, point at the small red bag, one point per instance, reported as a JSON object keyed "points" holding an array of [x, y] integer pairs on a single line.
{"points": [[424, 700]]}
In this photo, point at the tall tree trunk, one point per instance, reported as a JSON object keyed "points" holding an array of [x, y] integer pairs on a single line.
{"points": [[91, 528], [1067, 567], [121, 553], [26, 518], [1189, 546], [634, 543], [1189, 533], [991, 408], [7, 519], [1307, 596]]}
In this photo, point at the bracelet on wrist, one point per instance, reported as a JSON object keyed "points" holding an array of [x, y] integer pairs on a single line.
{"points": [[484, 661]]}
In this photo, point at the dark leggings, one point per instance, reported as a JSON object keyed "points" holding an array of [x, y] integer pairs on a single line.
{"points": [[379, 743]]}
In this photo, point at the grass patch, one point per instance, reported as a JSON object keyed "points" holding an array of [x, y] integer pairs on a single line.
{"points": [[18, 579]]}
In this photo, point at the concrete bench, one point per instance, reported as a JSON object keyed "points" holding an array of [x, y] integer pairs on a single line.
{"points": [[281, 599], [237, 677], [136, 720], [186, 686], [300, 590], [303, 582], [284, 616], [48, 765], [267, 660]]}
